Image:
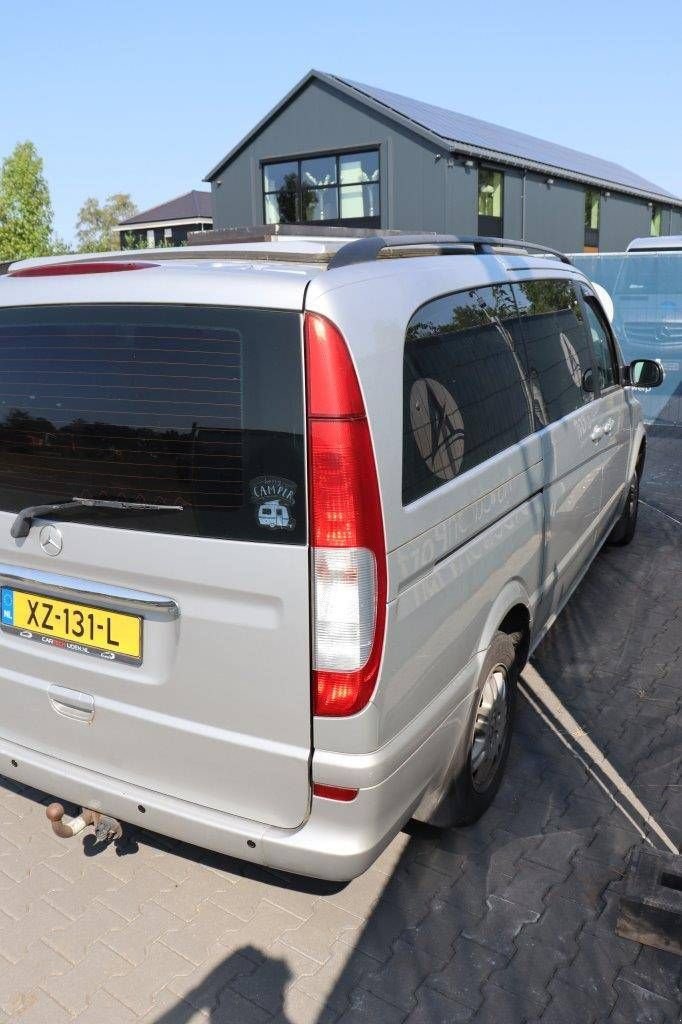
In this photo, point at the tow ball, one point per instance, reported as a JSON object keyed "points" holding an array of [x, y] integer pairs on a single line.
{"points": [[106, 829]]}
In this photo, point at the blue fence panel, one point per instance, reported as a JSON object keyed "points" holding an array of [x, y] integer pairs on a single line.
{"points": [[647, 296]]}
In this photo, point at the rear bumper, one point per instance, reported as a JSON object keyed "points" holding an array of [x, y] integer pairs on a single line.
{"points": [[338, 841]]}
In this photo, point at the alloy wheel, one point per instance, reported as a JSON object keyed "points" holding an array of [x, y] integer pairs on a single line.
{"points": [[490, 729]]}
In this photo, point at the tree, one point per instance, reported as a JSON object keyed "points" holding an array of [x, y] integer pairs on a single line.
{"points": [[96, 222], [58, 247], [288, 200], [25, 207], [131, 240]]}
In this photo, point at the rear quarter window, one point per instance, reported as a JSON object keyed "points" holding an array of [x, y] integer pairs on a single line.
{"points": [[464, 396], [174, 405]]}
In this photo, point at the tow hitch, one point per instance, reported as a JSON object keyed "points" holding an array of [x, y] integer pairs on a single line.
{"points": [[106, 829]]}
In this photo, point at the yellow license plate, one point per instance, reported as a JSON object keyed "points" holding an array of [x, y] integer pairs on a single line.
{"points": [[81, 628]]}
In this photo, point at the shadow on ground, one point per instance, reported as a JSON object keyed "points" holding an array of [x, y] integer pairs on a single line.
{"points": [[512, 920]]}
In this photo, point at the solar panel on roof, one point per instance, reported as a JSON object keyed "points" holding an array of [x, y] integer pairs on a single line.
{"points": [[454, 127]]}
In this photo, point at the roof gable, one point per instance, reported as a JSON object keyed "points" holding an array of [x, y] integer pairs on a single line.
{"points": [[194, 204], [461, 132]]}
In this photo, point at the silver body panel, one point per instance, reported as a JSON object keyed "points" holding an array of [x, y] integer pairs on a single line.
{"points": [[191, 719], [213, 735]]}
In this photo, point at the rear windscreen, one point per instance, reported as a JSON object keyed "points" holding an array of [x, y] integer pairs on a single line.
{"points": [[192, 406], [647, 274]]}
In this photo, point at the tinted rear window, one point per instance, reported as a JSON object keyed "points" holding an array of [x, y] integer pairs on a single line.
{"points": [[650, 274], [173, 405], [464, 394]]}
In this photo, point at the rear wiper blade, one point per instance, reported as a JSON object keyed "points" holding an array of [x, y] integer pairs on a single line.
{"points": [[22, 524]]}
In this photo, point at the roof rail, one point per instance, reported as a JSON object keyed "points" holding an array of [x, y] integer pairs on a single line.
{"points": [[267, 232], [364, 245], [367, 249], [369, 243]]}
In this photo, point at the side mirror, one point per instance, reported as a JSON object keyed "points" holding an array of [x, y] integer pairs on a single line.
{"points": [[646, 373], [588, 381]]}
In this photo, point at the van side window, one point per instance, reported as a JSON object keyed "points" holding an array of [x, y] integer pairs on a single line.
{"points": [[602, 346], [464, 398], [557, 346]]}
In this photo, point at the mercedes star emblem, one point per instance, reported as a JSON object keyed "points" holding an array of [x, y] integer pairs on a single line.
{"points": [[51, 540]]}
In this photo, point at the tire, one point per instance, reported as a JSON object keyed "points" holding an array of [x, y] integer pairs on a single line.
{"points": [[473, 790], [624, 530]]}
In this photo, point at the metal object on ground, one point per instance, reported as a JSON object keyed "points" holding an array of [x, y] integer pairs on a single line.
{"points": [[106, 829], [67, 829], [651, 906]]}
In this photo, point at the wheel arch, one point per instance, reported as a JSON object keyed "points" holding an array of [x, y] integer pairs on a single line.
{"points": [[510, 613]]}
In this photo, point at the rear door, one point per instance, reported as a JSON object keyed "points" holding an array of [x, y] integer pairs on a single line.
{"points": [[167, 649], [559, 358]]}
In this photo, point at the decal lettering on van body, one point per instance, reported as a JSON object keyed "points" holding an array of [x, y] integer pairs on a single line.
{"points": [[274, 498]]}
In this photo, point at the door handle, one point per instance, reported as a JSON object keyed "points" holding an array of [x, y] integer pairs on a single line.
{"points": [[608, 426], [72, 703], [597, 434]]}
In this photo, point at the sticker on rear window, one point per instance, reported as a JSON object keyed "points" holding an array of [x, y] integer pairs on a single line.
{"points": [[274, 498]]}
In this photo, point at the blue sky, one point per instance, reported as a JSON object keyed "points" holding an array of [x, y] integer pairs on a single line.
{"points": [[145, 97]]}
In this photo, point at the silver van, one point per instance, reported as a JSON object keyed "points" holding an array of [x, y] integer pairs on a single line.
{"points": [[281, 521]]}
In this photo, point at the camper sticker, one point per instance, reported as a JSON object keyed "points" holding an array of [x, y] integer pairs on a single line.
{"points": [[274, 498]]}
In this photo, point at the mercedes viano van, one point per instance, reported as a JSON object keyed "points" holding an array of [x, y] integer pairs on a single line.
{"points": [[281, 520]]}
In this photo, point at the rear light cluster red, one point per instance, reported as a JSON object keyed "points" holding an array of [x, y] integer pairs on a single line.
{"points": [[346, 528], [86, 267]]}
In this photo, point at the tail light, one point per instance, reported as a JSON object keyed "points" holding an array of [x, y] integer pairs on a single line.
{"points": [[346, 528]]}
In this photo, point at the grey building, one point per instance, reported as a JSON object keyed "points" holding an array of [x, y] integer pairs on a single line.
{"points": [[338, 152], [169, 223]]}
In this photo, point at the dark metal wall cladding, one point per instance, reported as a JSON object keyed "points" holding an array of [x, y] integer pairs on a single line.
{"points": [[622, 216]]}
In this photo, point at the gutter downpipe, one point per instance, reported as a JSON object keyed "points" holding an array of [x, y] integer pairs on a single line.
{"points": [[523, 208]]}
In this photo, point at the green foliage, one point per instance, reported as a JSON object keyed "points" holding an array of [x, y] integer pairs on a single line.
{"points": [[25, 207], [139, 241], [493, 306], [58, 247], [548, 296], [134, 241], [96, 222]]}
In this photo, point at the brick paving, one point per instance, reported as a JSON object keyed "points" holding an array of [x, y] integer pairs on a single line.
{"points": [[510, 921]]}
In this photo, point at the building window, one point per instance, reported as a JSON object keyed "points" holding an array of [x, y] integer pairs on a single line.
{"points": [[655, 228], [337, 188], [591, 220], [490, 202]]}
